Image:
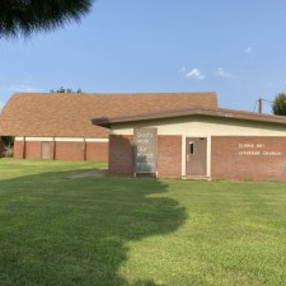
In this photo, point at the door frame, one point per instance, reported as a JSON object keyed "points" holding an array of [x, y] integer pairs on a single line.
{"points": [[207, 167], [50, 150]]}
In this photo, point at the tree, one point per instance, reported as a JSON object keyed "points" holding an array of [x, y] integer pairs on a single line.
{"points": [[279, 104], [7, 146], [8, 140], [66, 90], [27, 16]]}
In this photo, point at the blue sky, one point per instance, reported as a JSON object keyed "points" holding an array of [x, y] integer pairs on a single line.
{"points": [[236, 48]]}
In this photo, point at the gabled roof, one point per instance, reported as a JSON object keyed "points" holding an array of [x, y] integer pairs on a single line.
{"points": [[69, 115], [175, 113]]}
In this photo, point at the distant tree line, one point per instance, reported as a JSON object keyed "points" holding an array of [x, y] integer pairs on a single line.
{"points": [[66, 90]]}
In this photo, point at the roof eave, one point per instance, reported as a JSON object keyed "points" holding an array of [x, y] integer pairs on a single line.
{"points": [[108, 122]]}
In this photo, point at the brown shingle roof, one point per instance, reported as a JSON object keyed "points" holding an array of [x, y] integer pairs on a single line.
{"points": [[69, 115], [177, 112]]}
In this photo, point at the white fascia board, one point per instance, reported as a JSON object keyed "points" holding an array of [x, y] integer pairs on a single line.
{"points": [[102, 140], [19, 138]]}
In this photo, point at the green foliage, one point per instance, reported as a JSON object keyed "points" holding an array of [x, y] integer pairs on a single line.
{"points": [[279, 104], [7, 140], [66, 90], [7, 146], [61, 229], [27, 16]]}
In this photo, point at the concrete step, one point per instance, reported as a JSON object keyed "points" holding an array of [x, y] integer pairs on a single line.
{"points": [[197, 178]]}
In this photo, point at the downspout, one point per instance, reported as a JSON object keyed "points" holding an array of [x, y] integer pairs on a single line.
{"points": [[24, 148], [54, 148], [84, 149]]}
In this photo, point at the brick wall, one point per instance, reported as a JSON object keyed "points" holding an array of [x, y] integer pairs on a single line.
{"points": [[120, 155], [257, 158], [69, 151], [97, 151], [33, 150], [169, 156], [18, 149]]}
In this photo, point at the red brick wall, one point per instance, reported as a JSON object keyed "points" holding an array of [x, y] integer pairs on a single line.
{"points": [[169, 156], [249, 158], [18, 149], [69, 151], [97, 151], [33, 150], [120, 155]]}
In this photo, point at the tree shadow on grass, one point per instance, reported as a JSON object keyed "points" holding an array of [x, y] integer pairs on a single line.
{"points": [[56, 231]]}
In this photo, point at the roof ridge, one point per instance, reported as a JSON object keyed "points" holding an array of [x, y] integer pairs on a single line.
{"points": [[115, 94]]}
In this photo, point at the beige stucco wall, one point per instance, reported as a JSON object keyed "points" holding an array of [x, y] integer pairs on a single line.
{"points": [[202, 126]]}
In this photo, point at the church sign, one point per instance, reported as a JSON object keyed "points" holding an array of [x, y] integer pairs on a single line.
{"points": [[256, 149], [145, 155]]}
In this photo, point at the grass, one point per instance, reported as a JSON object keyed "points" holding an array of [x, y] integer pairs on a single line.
{"points": [[57, 228]]}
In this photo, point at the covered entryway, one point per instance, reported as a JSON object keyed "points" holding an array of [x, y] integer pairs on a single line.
{"points": [[196, 156], [46, 150]]}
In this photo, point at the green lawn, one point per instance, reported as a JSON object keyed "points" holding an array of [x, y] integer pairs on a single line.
{"points": [[57, 228]]}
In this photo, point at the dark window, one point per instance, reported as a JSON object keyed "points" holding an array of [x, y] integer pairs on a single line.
{"points": [[192, 148]]}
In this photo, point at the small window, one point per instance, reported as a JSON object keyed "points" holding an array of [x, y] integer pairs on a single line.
{"points": [[192, 148]]}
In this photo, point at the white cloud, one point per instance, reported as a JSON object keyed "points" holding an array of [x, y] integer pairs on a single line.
{"points": [[221, 72], [23, 88], [195, 74], [248, 50]]}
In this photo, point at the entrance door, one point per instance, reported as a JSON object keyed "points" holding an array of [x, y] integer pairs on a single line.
{"points": [[46, 150], [196, 156]]}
